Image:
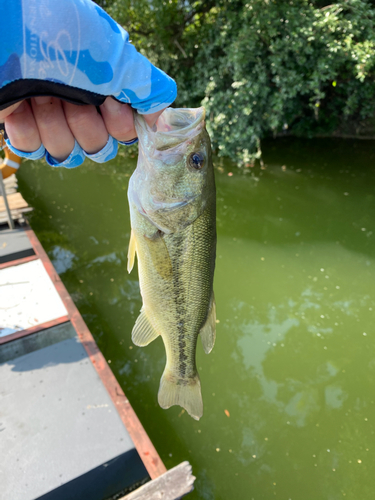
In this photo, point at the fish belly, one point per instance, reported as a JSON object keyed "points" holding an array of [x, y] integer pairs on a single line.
{"points": [[176, 280]]}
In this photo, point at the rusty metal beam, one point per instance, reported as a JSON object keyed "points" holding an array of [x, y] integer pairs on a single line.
{"points": [[17, 262], [33, 329]]}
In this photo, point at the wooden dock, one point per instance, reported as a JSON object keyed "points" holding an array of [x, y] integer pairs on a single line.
{"points": [[67, 430], [18, 206]]}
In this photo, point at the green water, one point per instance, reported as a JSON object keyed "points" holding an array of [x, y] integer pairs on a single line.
{"points": [[294, 360]]}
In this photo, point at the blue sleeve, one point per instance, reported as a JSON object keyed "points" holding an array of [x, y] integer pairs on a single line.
{"points": [[77, 44]]}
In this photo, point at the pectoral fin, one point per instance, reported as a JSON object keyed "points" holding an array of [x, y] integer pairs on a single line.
{"points": [[160, 255], [131, 251], [143, 332], [208, 331]]}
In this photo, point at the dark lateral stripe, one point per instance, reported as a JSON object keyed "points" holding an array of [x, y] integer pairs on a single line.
{"points": [[180, 302]]}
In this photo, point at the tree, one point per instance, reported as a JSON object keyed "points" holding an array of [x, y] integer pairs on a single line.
{"points": [[261, 67]]}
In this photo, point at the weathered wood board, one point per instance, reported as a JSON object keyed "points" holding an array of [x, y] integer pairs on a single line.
{"points": [[18, 206], [15, 201], [174, 484], [16, 215]]}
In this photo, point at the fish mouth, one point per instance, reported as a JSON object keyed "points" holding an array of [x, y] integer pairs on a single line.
{"points": [[173, 127]]}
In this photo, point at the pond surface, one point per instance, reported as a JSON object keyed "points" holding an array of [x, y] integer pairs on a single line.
{"points": [[289, 388]]}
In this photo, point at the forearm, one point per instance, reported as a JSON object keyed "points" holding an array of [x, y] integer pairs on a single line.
{"points": [[74, 50]]}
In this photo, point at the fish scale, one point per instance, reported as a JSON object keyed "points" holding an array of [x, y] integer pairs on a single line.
{"points": [[173, 220]]}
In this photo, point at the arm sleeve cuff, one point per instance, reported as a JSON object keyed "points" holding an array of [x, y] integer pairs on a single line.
{"points": [[154, 108], [75, 159], [128, 143], [107, 153], [34, 155]]}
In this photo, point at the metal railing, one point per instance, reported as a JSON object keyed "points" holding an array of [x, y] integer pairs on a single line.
{"points": [[2, 187]]}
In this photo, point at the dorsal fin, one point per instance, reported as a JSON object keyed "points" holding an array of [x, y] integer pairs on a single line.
{"points": [[143, 332], [208, 331]]}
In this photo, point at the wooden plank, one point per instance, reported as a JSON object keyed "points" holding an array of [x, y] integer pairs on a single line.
{"points": [[11, 178], [11, 189], [15, 200], [10, 182], [142, 442], [33, 329], [10, 186], [18, 206], [20, 210], [174, 484], [16, 214]]}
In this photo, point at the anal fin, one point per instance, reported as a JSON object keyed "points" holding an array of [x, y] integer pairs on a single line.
{"points": [[131, 251], [208, 331], [143, 332]]}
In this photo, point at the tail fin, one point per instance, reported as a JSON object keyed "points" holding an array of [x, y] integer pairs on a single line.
{"points": [[186, 393]]}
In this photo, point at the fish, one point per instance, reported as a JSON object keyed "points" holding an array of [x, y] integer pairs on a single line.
{"points": [[172, 202]]}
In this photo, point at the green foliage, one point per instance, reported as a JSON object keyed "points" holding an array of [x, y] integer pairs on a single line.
{"points": [[261, 66]]}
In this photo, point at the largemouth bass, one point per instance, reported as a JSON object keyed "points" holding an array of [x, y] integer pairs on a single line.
{"points": [[173, 217]]}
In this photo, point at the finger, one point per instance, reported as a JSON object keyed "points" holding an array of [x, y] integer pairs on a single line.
{"points": [[22, 129], [7, 111], [118, 119], [53, 128], [152, 118], [87, 127]]}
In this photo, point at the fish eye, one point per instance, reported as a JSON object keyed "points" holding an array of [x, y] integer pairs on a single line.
{"points": [[196, 161]]}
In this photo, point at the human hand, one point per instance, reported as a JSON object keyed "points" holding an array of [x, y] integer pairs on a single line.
{"points": [[57, 124]]}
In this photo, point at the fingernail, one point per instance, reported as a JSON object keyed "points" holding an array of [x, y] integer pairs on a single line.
{"points": [[20, 109], [43, 99], [111, 105]]}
